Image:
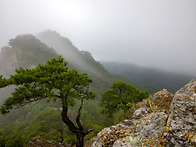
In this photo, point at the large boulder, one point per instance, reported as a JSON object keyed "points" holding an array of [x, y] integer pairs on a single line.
{"points": [[160, 100], [143, 129], [158, 124], [181, 124]]}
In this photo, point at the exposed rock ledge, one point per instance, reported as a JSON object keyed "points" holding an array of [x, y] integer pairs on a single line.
{"points": [[154, 127]]}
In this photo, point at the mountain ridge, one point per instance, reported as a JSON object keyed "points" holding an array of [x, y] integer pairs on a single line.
{"points": [[28, 51], [152, 77], [82, 61]]}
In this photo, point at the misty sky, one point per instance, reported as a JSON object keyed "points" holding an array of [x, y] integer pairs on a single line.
{"points": [[157, 33]]}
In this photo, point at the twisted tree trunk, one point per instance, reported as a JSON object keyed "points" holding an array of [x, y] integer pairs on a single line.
{"points": [[80, 139], [80, 133]]}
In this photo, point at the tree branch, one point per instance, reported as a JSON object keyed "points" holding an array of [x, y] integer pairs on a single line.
{"points": [[66, 119], [4, 82], [87, 132]]}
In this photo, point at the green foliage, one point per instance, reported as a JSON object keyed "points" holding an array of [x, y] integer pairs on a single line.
{"points": [[43, 119], [14, 139], [149, 102], [68, 136], [46, 123], [40, 121], [118, 117], [52, 80], [121, 96], [2, 137]]}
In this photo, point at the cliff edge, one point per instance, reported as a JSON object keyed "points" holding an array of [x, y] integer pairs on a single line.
{"points": [[163, 119]]}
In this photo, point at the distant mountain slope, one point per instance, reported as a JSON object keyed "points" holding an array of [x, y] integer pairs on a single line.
{"points": [[152, 78], [28, 51], [80, 60], [24, 51]]}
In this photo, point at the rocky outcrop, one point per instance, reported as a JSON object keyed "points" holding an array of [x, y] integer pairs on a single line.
{"points": [[159, 101], [143, 129], [181, 124], [156, 124]]}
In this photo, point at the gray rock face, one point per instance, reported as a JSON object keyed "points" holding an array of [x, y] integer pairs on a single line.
{"points": [[141, 112], [137, 131], [176, 127], [182, 120]]}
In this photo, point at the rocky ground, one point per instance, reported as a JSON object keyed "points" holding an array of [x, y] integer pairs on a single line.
{"points": [[162, 120]]}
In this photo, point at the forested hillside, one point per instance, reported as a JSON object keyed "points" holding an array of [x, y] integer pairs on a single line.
{"points": [[153, 79], [43, 118], [82, 61]]}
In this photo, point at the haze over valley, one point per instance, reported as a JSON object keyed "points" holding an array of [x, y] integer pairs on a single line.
{"points": [[157, 34], [23, 51]]}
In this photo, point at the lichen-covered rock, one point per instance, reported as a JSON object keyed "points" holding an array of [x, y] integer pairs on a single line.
{"points": [[161, 100], [182, 120], [147, 127], [141, 112], [41, 142], [143, 128]]}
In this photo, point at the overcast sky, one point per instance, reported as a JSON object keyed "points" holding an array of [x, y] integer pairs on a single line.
{"points": [[156, 33]]}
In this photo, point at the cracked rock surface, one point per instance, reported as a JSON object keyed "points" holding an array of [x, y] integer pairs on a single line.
{"points": [[160, 125], [182, 119]]}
